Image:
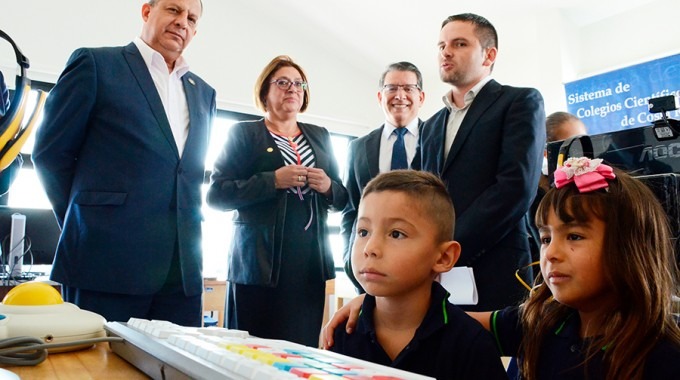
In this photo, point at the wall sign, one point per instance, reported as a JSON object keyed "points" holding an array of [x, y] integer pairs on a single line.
{"points": [[619, 99]]}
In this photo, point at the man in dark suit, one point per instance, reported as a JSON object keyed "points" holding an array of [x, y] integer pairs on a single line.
{"points": [[400, 95], [486, 144], [121, 156]]}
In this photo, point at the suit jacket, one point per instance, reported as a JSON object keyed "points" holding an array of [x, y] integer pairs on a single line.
{"points": [[107, 158], [491, 174], [243, 180], [363, 160]]}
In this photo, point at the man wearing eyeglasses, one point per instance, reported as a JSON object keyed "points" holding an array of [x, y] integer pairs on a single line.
{"points": [[487, 146], [390, 147], [121, 154]]}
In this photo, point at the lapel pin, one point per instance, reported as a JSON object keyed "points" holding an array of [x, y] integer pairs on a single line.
{"points": [[270, 149], [191, 80]]}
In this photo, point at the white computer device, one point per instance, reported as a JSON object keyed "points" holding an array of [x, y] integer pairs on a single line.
{"points": [[16, 244]]}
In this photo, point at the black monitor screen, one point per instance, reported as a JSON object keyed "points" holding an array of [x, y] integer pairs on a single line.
{"points": [[41, 228]]}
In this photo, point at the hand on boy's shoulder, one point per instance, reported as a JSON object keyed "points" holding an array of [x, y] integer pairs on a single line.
{"points": [[340, 337], [345, 318]]}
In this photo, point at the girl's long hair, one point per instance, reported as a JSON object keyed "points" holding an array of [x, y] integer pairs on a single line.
{"points": [[639, 266]]}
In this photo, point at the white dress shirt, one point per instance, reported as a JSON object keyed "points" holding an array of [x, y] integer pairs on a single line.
{"points": [[387, 141], [457, 115], [170, 89]]}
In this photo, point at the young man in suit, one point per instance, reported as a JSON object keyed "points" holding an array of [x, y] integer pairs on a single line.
{"points": [[486, 144], [400, 95], [121, 156]]}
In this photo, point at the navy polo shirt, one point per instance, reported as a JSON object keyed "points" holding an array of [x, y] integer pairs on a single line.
{"points": [[447, 345], [562, 350]]}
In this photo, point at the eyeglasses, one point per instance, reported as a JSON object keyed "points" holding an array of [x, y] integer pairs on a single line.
{"points": [[285, 84], [408, 88]]}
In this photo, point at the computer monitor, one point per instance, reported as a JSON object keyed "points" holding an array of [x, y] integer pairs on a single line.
{"points": [[638, 151], [41, 228]]}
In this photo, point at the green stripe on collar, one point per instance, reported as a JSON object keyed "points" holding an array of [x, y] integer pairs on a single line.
{"points": [[495, 331], [559, 329], [446, 315]]}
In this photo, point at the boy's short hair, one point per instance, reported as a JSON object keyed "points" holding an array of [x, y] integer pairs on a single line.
{"points": [[427, 192]]}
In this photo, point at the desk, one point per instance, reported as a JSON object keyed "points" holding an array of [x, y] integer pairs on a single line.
{"points": [[94, 363], [338, 291], [214, 295]]}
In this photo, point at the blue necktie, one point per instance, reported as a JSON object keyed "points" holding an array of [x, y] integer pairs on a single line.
{"points": [[399, 160]]}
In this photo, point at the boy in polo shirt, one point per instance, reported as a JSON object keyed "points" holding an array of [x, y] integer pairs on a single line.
{"points": [[403, 242]]}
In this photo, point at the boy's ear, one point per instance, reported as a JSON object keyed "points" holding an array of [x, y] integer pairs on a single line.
{"points": [[449, 252]]}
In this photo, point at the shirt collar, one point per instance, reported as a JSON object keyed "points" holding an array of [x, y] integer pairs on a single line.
{"points": [[435, 318], [469, 96], [152, 58], [412, 127], [570, 325]]}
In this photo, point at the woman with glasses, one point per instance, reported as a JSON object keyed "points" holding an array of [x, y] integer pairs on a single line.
{"points": [[281, 177]]}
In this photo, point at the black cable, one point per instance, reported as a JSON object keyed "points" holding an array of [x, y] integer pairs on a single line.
{"points": [[29, 351], [8, 268], [3, 250]]}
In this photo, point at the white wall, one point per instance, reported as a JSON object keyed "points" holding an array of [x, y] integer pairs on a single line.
{"points": [[539, 47], [635, 36]]}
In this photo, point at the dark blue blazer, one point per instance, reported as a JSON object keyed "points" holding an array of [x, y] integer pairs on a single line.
{"points": [[107, 158], [243, 180], [491, 174], [363, 164]]}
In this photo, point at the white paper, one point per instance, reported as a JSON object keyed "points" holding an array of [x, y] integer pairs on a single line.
{"points": [[460, 283]]}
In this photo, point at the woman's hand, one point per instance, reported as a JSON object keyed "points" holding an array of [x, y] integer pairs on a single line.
{"points": [[290, 176], [350, 313], [319, 181]]}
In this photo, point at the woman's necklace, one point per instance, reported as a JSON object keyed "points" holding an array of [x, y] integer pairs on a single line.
{"points": [[290, 136]]}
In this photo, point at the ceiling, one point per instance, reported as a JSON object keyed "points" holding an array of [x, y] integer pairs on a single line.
{"points": [[365, 35], [343, 45], [392, 25]]}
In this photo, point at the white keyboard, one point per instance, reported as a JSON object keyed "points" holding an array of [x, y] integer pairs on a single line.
{"points": [[164, 350]]}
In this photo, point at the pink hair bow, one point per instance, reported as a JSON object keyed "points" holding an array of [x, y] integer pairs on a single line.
{"points": [[588, 174]]}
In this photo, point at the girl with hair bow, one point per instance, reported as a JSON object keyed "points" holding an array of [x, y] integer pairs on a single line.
{"points": [[602, 305]]}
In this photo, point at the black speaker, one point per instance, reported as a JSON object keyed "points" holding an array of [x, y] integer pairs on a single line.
{"points": [[666, 187], [664, 183]]}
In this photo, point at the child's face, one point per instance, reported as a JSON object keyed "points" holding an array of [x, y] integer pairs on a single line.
{"points": [[395, 248], [571, 263]]}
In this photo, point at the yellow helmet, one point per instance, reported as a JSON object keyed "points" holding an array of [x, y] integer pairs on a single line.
{"points": [[13, 131]]}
